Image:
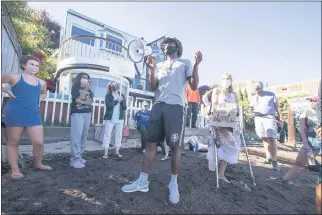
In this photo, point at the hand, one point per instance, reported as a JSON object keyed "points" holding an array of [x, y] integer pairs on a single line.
{"points": [[319, 131], [151, 62], [10, 93], [198, 58], [121, 98]]}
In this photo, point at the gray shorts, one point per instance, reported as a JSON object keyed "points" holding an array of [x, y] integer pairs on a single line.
{"points": [[166, 121]]}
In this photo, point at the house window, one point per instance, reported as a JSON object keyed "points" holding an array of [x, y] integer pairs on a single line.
{"points": [[78, 31], [113, 47]]}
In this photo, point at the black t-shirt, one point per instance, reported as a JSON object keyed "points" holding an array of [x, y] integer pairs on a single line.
{"points": [[81, 108]]}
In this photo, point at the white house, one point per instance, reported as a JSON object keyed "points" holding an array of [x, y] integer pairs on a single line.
{"points": [[86, 47]]}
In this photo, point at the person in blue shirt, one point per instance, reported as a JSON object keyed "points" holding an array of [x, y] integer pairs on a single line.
{"points": [[142, 118]]}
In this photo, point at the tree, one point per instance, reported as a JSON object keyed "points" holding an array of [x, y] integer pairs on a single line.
{"points": [[245, 95], [33, 34], [240, 96]]}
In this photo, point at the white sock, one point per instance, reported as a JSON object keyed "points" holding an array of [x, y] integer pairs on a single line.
{"points": [[144, 177], [117, 151], [174, 178]]}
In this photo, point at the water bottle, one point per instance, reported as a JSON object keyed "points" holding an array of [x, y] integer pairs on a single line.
{"points": [[197, 147]]}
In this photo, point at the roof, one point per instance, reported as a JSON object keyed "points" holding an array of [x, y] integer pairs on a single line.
{"points": [[108, 28]]}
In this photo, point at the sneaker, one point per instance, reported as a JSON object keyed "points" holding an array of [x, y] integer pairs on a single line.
{"points": [[174, 193], [77, 165], [143, 151], [275, 166], [119, 155], [267, 161], [82, 160], [159, 149], [137, 185]]}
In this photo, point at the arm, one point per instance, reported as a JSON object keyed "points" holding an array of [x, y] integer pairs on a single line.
{"points": [[110, 104], [277, 108], [8, 79], [193, 79], [136, 116], [205, 98], [153, 78], [43, 93]]}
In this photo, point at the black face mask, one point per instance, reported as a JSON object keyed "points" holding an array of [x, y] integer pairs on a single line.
{"points": [[114, 87], [170, 50]]}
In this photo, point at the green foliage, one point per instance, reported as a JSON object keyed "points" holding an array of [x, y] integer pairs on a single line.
{"points": [[33, 34], [240, 96], [248, 116], [245, 95]]}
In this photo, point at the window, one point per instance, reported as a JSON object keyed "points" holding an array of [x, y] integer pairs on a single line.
{"points": [[78, 31], [112, 46]]}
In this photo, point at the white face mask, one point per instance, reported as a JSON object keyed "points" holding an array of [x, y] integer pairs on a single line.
{"points": [[225, 83], [31, 69], [84, 81]]}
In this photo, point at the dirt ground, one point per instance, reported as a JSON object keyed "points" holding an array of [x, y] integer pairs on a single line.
{"points": [[96, 189]]}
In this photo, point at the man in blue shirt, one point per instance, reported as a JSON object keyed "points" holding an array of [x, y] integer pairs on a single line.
{"points": [[142, 118]]}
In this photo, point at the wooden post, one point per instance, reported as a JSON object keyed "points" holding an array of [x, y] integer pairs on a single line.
{"points": [[291, 128]]}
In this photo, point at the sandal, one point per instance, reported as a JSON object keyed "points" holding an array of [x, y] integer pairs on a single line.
{"points": [[165, 158], [45, 168]]}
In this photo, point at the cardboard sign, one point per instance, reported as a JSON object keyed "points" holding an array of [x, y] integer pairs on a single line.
{"points": [[225, 115]]}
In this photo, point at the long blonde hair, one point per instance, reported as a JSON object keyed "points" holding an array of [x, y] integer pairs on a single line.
{"points": [[228, 75]]}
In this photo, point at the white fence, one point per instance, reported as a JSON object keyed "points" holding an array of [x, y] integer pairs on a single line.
{"points": [[55, 110]]}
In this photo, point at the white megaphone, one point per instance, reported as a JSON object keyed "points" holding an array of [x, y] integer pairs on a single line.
{"points": [[137, 51]]}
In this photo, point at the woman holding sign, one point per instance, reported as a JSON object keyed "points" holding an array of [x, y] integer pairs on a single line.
{"points": [[224, 123]]}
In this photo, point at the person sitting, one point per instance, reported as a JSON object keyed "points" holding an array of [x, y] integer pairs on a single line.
{"points": [[142, 118]]}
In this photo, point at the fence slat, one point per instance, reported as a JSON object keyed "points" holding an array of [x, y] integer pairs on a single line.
{"points": [[54, 109], [46, 106], [61, 107], [68, 108], [99, 110]]}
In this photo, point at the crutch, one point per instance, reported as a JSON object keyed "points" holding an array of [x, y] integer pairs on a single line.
{"points": [[216, 161], [249, 164], [242, 138]]}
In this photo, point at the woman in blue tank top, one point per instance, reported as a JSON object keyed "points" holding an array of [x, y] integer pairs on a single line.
{"points": [[22, 112]]}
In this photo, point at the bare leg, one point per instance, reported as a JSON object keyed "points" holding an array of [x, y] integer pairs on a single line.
{"points": [[14, 135], [222, 169], [175, 160], [295, 170], [272, 148], [36, 136], [266, 148], [166, 149], [149, 157]]}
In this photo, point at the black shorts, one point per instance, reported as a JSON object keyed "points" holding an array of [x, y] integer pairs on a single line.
{"points": [[166, 121]]}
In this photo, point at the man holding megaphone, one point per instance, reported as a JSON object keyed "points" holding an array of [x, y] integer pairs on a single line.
{"points": [[167, 114]]}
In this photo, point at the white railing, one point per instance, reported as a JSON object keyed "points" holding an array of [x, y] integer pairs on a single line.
{"points": [[55, 110]]}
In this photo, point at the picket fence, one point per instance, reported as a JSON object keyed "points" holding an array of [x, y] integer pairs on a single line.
{"points": [[55, 109]]}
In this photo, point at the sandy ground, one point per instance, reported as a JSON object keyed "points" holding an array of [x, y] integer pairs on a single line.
{"points": [[97, 188]]}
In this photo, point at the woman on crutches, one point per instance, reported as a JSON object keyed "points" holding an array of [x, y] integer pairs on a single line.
{"points": [[228, 139]]}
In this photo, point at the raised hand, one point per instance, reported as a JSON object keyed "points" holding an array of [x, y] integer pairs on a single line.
{"points": [[151, 62], [198, 58]]}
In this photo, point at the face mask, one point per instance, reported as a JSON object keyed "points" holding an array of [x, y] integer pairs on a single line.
{"points": [[32, 69], [114, 87], [170, 50], [225, 83], [84, 81]]}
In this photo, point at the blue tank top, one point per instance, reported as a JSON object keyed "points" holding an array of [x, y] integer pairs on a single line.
{"points": [[23, 110]]}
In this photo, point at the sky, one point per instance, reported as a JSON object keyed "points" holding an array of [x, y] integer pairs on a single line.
{"points": [[275, 42]]}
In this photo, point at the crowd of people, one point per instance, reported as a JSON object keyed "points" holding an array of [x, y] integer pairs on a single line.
{"points": [[176, 81]]}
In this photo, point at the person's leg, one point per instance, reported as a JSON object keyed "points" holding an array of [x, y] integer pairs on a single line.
{"points": [[12, 149], [36, 136], [174, 130], [166, 149], [222, 169], [118, 138], [76, 130], [188, 115], [262, 134], [87, 122], [155, 134], [318, 199], [108, 128], [266, 144], [143, 130], [295, 170], [194, 107], [270, 126]]}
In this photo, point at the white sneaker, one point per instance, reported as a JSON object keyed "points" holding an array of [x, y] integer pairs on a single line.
{"points": [[77, 165], [82, 160]]}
